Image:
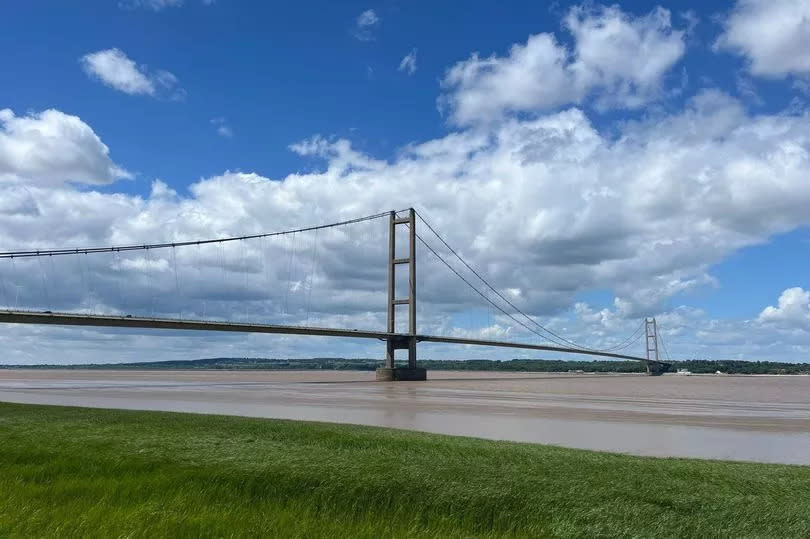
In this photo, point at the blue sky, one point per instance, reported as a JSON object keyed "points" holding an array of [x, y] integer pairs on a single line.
{"points": [[282, 73], [226, 87]]}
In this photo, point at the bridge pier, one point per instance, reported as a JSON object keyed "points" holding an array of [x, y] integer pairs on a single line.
{"points": [[401, 374], [656, 369], [390, 372]]}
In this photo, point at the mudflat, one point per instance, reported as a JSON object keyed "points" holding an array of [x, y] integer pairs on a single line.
{"points": [[758, 418]]}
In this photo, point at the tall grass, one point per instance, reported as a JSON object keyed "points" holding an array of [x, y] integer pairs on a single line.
{"points": [[84, 472]]}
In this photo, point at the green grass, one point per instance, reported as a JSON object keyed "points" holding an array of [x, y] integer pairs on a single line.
{"points": [[83, 472]]}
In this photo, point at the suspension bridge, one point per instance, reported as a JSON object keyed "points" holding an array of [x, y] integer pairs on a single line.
{"points": [[83, 292]]}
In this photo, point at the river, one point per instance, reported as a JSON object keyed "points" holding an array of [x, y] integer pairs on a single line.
{"points": [[754, 418]]}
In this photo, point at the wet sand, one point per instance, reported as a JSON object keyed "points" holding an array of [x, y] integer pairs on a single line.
{"points": [[758, 418]]}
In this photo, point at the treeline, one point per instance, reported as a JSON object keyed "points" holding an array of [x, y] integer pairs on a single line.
{"points": [[694, 366], [516, 365], [699, 366], [227, 363]]}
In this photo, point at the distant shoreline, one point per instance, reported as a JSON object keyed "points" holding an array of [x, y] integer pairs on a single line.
{"points": [[695, 367], [101, 368]]}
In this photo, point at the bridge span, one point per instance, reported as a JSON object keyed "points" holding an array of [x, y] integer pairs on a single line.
{"points": [[127, 321], [404, 296]]}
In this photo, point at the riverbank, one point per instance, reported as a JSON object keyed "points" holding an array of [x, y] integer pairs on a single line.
{"points": [[77, 472]]}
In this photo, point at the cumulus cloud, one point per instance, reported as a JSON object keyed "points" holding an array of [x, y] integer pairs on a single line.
{"points": [[51, 147], [408, 63], [543, 74], [645, 213], [779, 333], [772, 35], [793, 309], [365, 24], [546, 207], [603, 37], [115, 69]]}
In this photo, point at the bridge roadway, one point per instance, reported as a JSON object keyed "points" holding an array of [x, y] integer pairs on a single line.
{"points": [[128, 321]]}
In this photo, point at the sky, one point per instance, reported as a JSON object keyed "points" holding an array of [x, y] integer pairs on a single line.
{"points": [[598, 163]]}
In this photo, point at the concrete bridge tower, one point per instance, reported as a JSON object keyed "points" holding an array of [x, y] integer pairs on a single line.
{"points": [[654, 365], [404, 342]]}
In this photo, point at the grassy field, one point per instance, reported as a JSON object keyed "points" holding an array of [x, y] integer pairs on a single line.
{"points": [[83, 472]]}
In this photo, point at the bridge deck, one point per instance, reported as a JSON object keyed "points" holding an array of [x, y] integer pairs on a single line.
{"points": [[127, 321]]}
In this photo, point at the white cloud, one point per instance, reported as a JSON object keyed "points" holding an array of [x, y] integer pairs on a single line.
{"points": [[542, 74], [793, 309], [408, 63], [52, 147], [692, 21], [547, 208], [154, 5], [773, 35], [223, 128], [365, 24], [689, 333], [605, 37], [748, 91], [367, 18], [116, 70]]}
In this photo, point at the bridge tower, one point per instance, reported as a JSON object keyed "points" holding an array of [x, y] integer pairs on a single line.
{"points": [[651, 331], [390, 372], [654, 365]]}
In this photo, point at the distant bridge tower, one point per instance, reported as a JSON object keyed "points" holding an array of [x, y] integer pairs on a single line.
{"points": [[654, 365], [408, 341]]}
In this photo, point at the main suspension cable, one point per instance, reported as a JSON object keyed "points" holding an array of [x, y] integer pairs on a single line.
{"points": [[663, 344], [629, 341], [86, 250], [441, 259], [558, 339]]}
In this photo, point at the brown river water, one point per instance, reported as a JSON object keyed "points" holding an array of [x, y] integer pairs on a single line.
{"points": [[758, 418]]}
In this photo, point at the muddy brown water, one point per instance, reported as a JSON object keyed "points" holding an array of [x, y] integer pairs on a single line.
{"points": [[757, 418]]}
